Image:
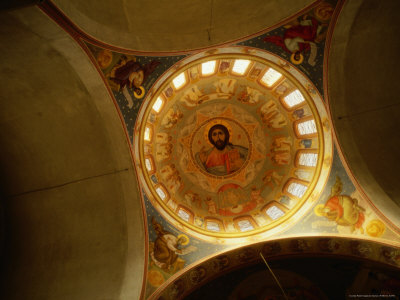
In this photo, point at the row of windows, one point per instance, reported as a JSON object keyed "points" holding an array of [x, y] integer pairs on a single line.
{"points": [[268, 78], [272, 211], [291, 99]]}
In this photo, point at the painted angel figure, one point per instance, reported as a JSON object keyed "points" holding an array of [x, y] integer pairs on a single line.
{"points": [[299, 37], [342, 209], [167, 249], [129, 73]]}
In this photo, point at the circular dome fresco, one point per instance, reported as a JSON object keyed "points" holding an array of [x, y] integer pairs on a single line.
{"points": [[233, 142]]}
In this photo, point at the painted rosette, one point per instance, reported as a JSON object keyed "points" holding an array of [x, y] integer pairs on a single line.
{"points": [[232, 143]]}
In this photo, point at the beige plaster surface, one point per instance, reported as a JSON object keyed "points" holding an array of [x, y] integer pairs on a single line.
{"points": [[151, 25], [73, 220], [364, 97]]}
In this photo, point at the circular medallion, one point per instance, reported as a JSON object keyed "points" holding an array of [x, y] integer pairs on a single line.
{"points": [[220, 147], [233, 144]]}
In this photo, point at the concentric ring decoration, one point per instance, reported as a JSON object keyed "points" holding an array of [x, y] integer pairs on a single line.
{"points": [[232, 143]]}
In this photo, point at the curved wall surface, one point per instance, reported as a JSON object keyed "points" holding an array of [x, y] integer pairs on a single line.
{"points": [[175, 25], [74, 225], [364, 97]]}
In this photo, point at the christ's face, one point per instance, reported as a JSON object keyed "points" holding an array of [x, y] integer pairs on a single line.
{"points": [[218, 136]]}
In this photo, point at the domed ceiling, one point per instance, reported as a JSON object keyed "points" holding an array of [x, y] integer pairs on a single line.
{"points": [[232, 142], [232, 148]]}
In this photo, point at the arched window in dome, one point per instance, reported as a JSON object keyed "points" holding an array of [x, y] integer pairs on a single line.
{"points": [[305, 127], [240, 67], [293, 99], [245, 223], [306, 158], [208, 68], [180, 81], [148, 133], [158, 104], [295, 188], [274, 210], [185, 214], [149, 164], [214, 225], [270, 78], [162, 192]]}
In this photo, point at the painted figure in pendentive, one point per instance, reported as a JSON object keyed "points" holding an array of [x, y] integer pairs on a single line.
{"points": [[104, 58], [167, 248], [342, 209], [223, 158], [300, 36], [129, 73]]}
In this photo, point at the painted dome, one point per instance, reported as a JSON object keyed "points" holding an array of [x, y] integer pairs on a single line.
{"points": [[232, 143]]}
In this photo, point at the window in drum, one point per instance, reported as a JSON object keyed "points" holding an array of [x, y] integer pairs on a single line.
{"points": [[271, 77], [274, 212], [147, 133], [183, 214], [208, 68], [306, 128], [157, 106], [245, 225], [161, 192], [293, 99], [240, 66], [296, 189], [148, 161], [308, 159], [213, 226], [179, 81]]}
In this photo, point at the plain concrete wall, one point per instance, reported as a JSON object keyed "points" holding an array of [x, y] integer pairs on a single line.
{"points": [[364, 68], [73, 218], [153, 25]]}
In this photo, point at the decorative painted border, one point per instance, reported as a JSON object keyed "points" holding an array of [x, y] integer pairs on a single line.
{"points": [[181, 284], [316, 104]]}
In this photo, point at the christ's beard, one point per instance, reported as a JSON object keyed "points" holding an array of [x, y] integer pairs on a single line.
{"points": [[220, 145]]}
